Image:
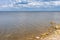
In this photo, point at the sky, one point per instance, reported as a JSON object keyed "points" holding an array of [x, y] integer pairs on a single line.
{"points": [[29, 5]]}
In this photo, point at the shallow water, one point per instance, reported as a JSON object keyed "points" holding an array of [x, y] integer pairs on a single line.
{"points": [[24, 24]]}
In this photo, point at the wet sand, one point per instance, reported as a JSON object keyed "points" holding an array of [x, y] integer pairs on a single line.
{"points": [[25, 25]]}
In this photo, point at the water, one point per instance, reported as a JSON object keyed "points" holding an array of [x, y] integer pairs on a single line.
{"points": [[25, 23]]}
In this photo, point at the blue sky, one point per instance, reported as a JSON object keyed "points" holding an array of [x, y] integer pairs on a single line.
{"points": [[30, 5]]}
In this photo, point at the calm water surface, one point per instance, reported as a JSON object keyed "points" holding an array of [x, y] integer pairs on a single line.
{"points": [[22, 24]]}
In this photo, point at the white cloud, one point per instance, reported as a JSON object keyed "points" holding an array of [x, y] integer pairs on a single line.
{"points": [[2, 6], [49, 4], [45, 4], [56, 3]]}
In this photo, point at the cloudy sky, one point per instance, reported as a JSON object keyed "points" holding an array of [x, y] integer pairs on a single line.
{"points": [[31, 5]]}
